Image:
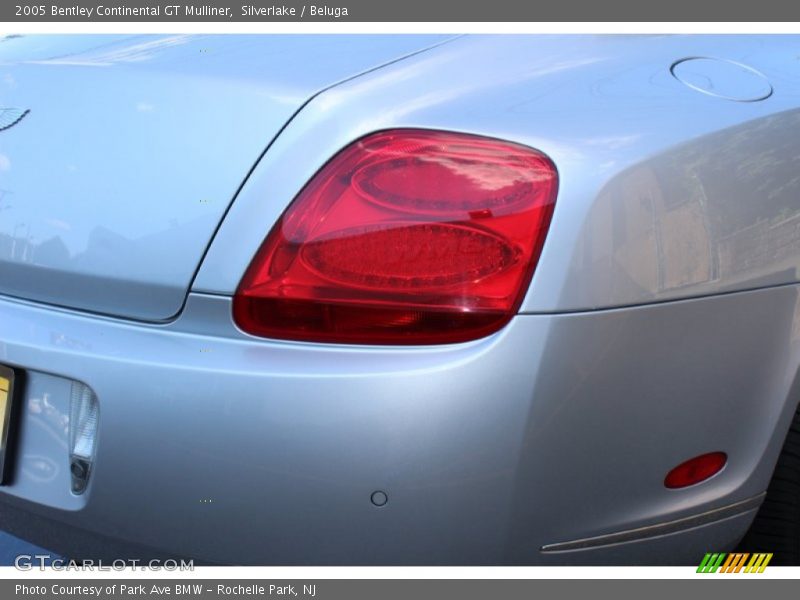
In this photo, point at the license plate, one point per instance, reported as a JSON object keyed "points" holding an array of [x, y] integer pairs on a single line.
{"points": [[6, 401]]}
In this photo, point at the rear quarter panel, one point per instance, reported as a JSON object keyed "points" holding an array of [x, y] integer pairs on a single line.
{"points": [[665, 192]]}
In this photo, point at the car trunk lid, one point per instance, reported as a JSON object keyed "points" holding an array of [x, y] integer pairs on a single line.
{"points": [[119, 156]]}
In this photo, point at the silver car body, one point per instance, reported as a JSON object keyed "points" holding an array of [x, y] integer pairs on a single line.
{"points": [[662, 321]]}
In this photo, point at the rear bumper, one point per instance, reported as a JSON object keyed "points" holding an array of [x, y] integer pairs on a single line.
{"points": [[227, 449], [647, 545]]}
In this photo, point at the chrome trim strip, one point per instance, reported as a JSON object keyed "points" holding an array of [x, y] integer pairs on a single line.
{"points": [[640, 533]]}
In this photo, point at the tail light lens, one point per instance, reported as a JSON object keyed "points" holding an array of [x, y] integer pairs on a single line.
{"points": [[404, 237]]}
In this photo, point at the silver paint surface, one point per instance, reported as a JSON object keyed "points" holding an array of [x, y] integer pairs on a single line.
{"points": [[113, 185]]}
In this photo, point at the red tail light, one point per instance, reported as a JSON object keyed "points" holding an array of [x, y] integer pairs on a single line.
{"points": [[404, 237]]}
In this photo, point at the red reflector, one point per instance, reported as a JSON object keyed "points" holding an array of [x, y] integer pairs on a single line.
{"points": [[696, 470], [404, 237]]}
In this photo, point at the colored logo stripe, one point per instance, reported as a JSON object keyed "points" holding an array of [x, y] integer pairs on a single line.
{"points": [[711, 563], [758, 563], [734, 562]]}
